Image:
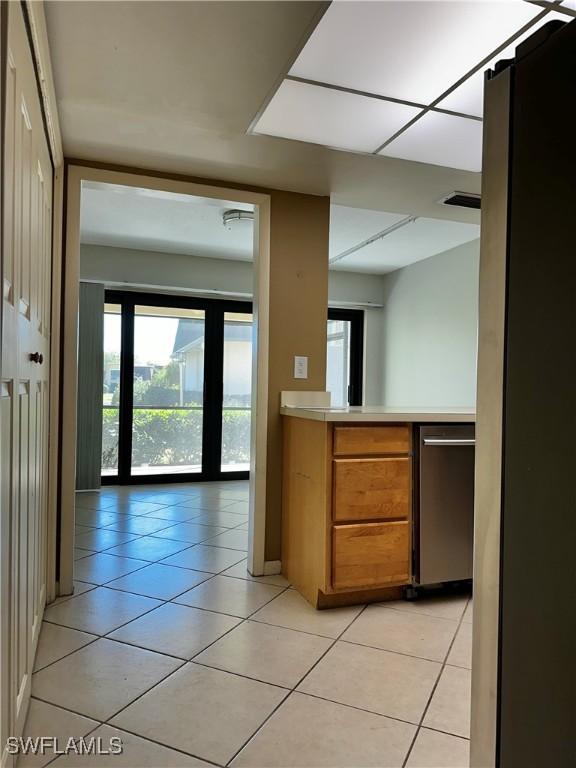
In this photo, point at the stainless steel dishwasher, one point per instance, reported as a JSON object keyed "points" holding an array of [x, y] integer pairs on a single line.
{"points": [[444, 521]]}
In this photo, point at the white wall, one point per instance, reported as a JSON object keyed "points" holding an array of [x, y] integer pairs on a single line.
{"points": [[124, 265], [149, 268], [420, 349], [430, 325]]}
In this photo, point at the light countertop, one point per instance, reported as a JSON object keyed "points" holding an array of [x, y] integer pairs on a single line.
{"points": [[375, 413]]}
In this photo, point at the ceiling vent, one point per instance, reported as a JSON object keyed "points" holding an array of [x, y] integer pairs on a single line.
{"points": [[462, 200]]}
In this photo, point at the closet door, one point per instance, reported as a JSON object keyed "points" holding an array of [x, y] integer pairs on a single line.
{"points": [[24, 401]]}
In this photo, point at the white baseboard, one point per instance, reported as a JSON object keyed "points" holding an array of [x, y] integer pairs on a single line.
{"points": [[272, 567]]}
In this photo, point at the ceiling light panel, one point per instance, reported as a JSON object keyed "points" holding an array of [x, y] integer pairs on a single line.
{"points": [[439, 139], [332, 118], [412, 51], [469, 97], [416, 241]]}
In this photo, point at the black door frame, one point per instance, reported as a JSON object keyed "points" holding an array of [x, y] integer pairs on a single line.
{"points": [[356, 319], [214, 311]]}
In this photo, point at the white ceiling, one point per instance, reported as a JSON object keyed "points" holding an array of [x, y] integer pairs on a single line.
{"points": [[415, 241], [416, 52], [174, 87], [150, 220]]}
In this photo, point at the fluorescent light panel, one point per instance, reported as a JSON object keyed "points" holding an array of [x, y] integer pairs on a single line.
{"points": [[438, 139], [469, 97], [332, 118], [388, 48], [412, 51]]}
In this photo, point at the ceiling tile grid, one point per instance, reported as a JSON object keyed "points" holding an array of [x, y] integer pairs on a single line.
{"points": [[400, 79]]}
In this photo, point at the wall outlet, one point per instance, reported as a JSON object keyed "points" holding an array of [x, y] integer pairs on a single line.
{"points": [[300, 367]]}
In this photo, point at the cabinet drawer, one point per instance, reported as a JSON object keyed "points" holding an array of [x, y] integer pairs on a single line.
{"points": [[366, 489], [370, 555], [366, 441]]}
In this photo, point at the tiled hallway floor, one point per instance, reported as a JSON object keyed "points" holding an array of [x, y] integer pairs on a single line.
{"points": [[170, 644]]}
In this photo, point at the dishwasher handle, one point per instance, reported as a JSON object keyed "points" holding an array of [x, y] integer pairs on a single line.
{"points": [[462, 441]]}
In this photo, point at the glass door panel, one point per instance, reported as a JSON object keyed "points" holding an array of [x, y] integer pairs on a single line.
{"points": [[338, 362], [344, 356], [177, 388], [111, 388], [168, 390], [236, 392]]}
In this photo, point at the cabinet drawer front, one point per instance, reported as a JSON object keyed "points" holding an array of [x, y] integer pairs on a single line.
{"points": [[366, 489], [367, 441], [370, 555]]}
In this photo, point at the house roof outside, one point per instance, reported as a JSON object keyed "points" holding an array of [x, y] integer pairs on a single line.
{"points": [[190, 333]]}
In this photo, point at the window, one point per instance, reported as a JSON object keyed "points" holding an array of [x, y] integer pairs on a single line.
{"points": [[344, 360], [177, 388]]}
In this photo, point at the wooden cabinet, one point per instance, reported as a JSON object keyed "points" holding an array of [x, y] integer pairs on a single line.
{"points": [[371, 489], [369, 440], [370, 554], [347, 509]]}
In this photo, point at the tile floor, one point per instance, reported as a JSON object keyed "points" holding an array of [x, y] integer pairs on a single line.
{"points": [[171, 645]]}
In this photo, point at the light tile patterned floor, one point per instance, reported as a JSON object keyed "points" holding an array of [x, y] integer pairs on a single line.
{"points": [[171, 645]]}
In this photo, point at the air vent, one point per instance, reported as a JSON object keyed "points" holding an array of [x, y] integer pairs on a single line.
{"points": [[462, 200]]}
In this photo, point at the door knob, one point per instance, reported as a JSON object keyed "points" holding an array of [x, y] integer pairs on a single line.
{"points": [[37, 357]]}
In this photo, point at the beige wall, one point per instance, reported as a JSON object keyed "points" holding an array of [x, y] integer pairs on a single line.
{"points": [[298, 304]]}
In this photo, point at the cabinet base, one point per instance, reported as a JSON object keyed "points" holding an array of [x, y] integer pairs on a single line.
{"points": [[338, 599]]}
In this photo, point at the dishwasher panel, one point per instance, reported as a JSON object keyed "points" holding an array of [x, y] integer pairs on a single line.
{"points": [[445, 511]]}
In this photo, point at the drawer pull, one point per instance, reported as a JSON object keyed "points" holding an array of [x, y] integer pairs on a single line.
{"points": [[449, 441]]}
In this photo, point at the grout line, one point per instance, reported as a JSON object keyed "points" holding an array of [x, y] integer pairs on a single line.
{"points": [[389, 650], [357, 709], [100, 636], [285, 688], [298, 683], [158, 743], [241, 620], [72, 711], [435, 686]]}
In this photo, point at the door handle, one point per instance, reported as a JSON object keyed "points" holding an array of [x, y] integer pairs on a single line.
{"points": [[449, 441], [36, 357]]}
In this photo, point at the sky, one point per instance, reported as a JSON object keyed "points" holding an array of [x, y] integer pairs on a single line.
{"points": [[153, 338]]}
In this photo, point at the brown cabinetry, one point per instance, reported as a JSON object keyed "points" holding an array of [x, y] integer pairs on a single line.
{"points": [[371, 489], [370, 554], [347, 509]]}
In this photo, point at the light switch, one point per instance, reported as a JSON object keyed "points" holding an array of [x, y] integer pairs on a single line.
{"points": [[300, 367]]}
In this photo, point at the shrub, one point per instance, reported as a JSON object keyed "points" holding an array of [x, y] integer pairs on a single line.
{"points": [[172, 437]]}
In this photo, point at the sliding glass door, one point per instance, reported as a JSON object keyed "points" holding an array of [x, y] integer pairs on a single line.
{"points": [[111, 388], [236, 392], [167, 390], [344, 356], [177, 388]]}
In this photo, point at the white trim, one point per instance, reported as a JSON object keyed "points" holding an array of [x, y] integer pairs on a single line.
{"points": [[301, 399], [37, 20], [259, 439], [272, 567], [211, 293], [41, 54]]}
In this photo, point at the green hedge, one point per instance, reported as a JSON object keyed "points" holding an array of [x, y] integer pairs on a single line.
{"points": [[166, 437]]}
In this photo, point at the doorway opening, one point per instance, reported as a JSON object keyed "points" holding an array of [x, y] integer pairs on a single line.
{"points": [[168, 286], [177, 388]]}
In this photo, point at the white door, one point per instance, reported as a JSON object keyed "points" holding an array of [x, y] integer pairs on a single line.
{"points": [[26, 285]]}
